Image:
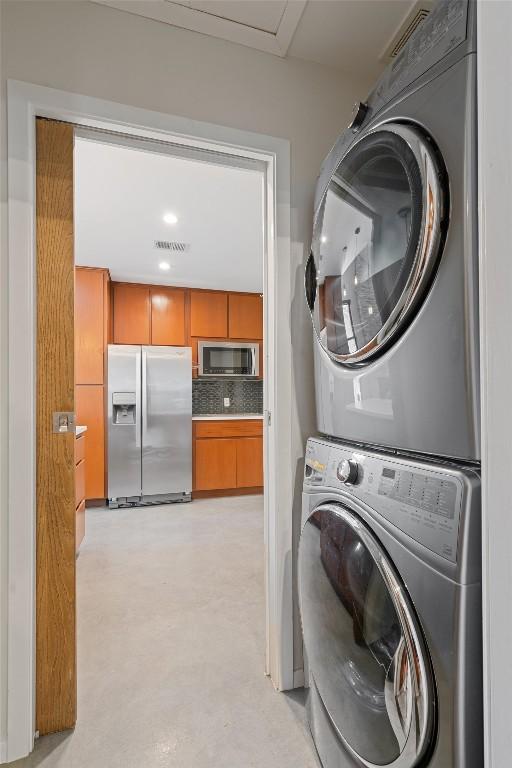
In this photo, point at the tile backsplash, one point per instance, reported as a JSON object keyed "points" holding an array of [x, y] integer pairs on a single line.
{"points": [[245, 396]]}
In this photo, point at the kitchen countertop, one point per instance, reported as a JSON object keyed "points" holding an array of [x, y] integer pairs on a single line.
{"points": [[80, 430], [223, 416]]}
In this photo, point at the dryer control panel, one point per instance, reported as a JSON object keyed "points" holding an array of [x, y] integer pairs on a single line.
{"points": [[422, 499]]}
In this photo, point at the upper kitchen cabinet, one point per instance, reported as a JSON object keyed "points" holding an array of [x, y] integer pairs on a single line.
{"points": [[168, 316], [245, 316], [91, 318], [209, 314], [132, 315]]}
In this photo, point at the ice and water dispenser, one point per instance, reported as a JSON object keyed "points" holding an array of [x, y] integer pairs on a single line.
{"points": [[123, 408]]}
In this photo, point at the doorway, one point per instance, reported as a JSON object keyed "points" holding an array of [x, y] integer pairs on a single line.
{"points": [[144, 397], [25, 102]]}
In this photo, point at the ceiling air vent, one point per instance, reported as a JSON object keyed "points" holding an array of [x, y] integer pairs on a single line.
{"points": [[407, 28], [171, 245]]}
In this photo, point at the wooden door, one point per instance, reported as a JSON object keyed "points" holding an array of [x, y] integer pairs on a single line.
{"points": [[131, 314], [89, 326], [245, 316], [55, 461], [215, 464], [209, 314], [249, 462], [90, 411], [168, 316]]}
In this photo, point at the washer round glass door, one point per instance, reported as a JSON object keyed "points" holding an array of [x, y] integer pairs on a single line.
{"points": [[364, 645], [377, 237]]}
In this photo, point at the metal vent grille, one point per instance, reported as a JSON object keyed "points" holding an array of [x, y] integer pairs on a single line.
{"points": [[171, 245], [409, 31], [407, 28]]}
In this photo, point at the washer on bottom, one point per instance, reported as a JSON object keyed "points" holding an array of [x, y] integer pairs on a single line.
{"points": [[390, 599]]}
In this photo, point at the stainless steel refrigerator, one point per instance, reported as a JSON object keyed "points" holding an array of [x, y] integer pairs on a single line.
{"points": [[149, 424]]}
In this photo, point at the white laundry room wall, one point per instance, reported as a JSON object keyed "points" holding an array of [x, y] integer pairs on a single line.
{"points": [[98, 51]]}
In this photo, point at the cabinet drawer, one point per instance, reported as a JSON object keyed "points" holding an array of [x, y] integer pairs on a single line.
{"points": [[242, 428], [79, 449], [80, 524], [79, 483]]}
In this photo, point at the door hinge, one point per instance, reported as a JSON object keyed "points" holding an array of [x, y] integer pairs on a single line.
{"points": [[269, 418]]}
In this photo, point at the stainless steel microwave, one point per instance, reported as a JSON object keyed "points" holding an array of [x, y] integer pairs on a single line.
{"points": [[228, 358]]}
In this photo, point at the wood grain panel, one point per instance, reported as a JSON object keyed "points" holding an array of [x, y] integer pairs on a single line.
{"points": [[229, 428], [209, 314], [245, 316], [249, 462], [80, 524], [131, 314], [215, 464], [168, 316], [55, 462], [90, 412], [89, 326]]}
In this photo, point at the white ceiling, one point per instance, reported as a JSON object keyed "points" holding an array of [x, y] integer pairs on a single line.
{"points": [[268, 25], [121, 195], [350, 35], [259, 14]]}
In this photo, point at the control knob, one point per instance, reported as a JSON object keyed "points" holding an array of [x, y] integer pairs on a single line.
{"points": [[359, 113], [347, 471]]}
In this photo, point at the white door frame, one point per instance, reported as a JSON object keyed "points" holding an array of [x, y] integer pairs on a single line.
{"points": [[495, 206], [25, 102]]}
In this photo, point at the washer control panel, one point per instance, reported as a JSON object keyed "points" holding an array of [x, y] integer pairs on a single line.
{"points": [[443, 29], [422, 500]]}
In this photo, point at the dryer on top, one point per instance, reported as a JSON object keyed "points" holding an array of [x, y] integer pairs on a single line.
{"points": [[392, 281]]}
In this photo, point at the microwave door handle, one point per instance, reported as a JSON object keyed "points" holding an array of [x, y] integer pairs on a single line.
{"points": [[254, 372]]}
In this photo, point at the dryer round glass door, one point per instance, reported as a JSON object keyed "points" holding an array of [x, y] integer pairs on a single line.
{"points": [[364, 645], [377, 237]]}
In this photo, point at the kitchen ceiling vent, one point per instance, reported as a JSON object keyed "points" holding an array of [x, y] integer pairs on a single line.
{"points": [[407, 28], [171, 245]]}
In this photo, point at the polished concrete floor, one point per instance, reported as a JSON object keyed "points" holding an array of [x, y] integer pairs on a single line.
{"points": [[171, 646]]}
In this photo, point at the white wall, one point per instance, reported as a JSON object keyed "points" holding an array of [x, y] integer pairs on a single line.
{"points": [[495, 200], [98, 51]]}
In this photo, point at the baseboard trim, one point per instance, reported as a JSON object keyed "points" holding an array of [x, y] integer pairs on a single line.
{"points": [[214, 494]]}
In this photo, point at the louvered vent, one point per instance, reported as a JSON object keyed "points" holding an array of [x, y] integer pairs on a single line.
{"points": [[171, 245], [406, 30]]}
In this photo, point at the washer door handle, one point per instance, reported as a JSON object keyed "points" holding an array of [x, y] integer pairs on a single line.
{"points": [[310, 282], [398, 694]]}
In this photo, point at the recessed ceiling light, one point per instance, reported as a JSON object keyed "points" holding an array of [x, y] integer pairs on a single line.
{"points": [[170, 218], [164, 265], [323, 239]]}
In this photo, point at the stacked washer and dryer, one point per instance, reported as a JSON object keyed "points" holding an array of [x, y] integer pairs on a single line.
{"points": [[389, 567]]}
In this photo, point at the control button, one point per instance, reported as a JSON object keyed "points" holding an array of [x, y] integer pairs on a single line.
{"points": [[347, 471], [359, 113]]}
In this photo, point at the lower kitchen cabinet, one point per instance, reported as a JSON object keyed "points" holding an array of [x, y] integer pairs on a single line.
{"points": [[215, 464], [228, 455], [79, 490], [249, 462], [89, 408]]}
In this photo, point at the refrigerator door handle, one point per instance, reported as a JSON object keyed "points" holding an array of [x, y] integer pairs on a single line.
{"points": [[144, 398], [138, 398]]}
